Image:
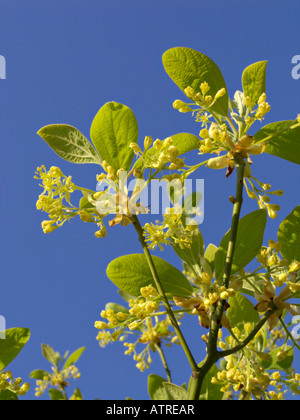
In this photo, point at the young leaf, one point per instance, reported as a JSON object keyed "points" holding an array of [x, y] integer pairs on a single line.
{"points": [[39, 374], [282, 140], [116, 307], [289, 236], [254, 80], [210, 254], [113, 129], [188, 67], [192, 254], [175, 392], [8, 395], [74, 357], [241, 311], [131, 272], [248, 243], [69, 143], [185, 142], [77, 394], [275, 364], [56, 395], [52, 356], [156, 388], [10, 347], [210, 391]]}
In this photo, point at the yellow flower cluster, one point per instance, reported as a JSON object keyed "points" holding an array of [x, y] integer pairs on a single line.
{"points": [[244, 372], [280, 275], [171, 231], [258, 114], [140, 309], [161, 154], [141, 320], [203, 306], [152, 335], [7, 382], [57, 188], [200, 98], [57, 379], [261, 193]]}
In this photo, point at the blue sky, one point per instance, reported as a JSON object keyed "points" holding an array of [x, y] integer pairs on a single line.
{"points": [[64, 60]]}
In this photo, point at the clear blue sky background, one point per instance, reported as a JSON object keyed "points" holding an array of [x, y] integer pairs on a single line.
{"points": [[65, 59]]}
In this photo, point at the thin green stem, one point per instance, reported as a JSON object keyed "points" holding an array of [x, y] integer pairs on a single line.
{"points": [[216, 319], [289, 334], [164, 361], [161, 291], [250, 337], [232, 126]]}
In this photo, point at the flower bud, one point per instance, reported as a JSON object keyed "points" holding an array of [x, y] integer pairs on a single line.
{"points": [[247, 170], [220, 162], [204, 88], [220, 93], [147, 142], [157, 144], [294, 266], [190, 92], [135, 147], [204, 133]]}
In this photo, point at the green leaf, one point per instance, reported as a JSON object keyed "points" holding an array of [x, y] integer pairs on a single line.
{"points": [[275, 364], [282, 141], [74, 357], [113, 129], [248, 242], [131, 272], [188, 67], [10, 347], [210, 391], [69, 143], [52, 356], [116, 308], [252, 284], [39, 374], [77, 394], [184, 142], [210, 254], [85, 204], [56, 395], [8, 395], [192, 254], [156, 388], [241, 311], [175, 392], [289, 236], [254, 80]]}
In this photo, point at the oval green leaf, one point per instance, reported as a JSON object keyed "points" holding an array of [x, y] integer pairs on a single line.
{"points": [[175, 392], [210, 391], [131, 272], [289, 236], [188, 67], [254, 80], [74, 357], [10, 347], [241, 311], [69, 143], [282, 140], [156, 388], [248, 243], [113, 129]]}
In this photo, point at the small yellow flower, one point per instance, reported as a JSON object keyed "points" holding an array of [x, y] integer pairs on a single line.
{"points": [[204, 88]]}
